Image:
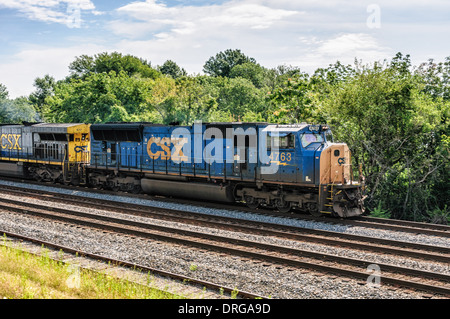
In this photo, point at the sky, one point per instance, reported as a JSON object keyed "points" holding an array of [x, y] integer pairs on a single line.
{"points": [[39, 37]]}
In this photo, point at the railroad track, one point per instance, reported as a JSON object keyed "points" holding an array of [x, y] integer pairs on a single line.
{"points": [[414, 250], [137, 267], [405, 277], [363, 221]]}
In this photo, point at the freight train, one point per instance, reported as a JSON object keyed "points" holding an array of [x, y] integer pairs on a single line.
{"points": [[260, 164]]}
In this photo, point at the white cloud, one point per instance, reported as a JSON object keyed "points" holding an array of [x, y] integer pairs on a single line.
{"points": [[342, 47], [19, 72], [253, 16], [58, 11], [308, 33], [273, 35], [191, 34], [153, 15], [351, 45]]}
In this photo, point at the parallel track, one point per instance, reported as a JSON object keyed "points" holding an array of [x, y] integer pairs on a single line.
{"points": [[171, 275], [415, 250], [427, 281], [363, 221]]}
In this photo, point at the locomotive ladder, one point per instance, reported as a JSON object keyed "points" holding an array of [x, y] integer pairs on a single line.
{"points": [[75, 171], [329, 202], [330, 197]]}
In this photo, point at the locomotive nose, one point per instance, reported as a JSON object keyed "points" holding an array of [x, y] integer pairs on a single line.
{"points": [[339, 194], [335, 164]]}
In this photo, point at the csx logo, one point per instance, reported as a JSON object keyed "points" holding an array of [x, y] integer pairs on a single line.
{"points": [[159, 147], [79, 149], [10, 141]]}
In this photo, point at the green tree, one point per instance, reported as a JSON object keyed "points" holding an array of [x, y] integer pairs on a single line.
{"points": [[196, 100], [239, 96], [334, 74], [101, 97], [44, 88], [3, 92], [293, 102], [106, 62], [436, 78], [395, 132], [224, 62], [172, 69], [17, 111], [82, 65], [250, 71]]}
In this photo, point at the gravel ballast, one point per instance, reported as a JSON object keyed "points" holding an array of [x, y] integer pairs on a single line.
{"points": [[256, 277]]}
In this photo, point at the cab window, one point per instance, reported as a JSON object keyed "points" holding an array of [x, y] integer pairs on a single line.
{"points": [[287, 141], [329, 136], [309, 138]]}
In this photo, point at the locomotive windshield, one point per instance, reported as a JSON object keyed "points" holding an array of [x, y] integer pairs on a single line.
{"points": [[310, 138], [329, 136]]}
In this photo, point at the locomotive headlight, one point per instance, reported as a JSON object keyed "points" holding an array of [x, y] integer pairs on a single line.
{"points": [[318, 128]]}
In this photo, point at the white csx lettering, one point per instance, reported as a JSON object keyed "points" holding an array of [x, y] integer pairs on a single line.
{"points": [[10, 141], [165, 152]]}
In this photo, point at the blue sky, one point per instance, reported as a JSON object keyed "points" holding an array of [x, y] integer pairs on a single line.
{"points": [[39, 37]]}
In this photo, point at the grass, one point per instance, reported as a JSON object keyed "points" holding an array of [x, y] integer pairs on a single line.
{"points": [[380, 212], [27, 276]]}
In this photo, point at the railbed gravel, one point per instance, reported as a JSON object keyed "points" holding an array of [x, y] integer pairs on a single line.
{"points": [[231, 271]]}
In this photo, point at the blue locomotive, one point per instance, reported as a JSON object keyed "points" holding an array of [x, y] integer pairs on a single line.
{"points": [[261, 164]]}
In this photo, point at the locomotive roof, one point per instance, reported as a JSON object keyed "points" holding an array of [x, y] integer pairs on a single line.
{"points": [[123, 125], [58, 128], [57, 124], [286, 127], [44, 125], [235, 123]]}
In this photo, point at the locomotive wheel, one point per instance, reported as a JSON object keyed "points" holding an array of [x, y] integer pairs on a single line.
{"points": [[283, 206], [313, 210], [136, 189], [315, 213], [251, 202], [76, 181]]}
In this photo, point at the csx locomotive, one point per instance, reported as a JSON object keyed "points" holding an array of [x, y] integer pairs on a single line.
{"points": [[261, 164]]}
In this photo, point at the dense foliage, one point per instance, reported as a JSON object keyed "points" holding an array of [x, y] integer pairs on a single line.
{"points": [[394, 116]]}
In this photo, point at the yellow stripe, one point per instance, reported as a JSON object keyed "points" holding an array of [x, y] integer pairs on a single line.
{"points": [[28, 161]]}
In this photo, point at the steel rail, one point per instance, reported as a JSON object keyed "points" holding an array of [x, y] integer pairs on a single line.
{"points": [[266, 229], [123, 263], [370, 222], [265, 253]]}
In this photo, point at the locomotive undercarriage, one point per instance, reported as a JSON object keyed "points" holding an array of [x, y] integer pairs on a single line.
{"points": [[115, 181], [284, 199], [347, 201], [67, 173], [336, 200], [46, 173]]}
